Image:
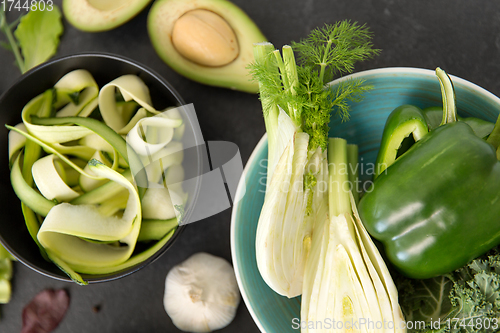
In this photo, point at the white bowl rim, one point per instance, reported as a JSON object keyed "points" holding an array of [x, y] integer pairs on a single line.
{"points": [[262, 141]]}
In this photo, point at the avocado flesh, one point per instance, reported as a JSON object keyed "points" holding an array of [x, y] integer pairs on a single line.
{"points": [[101, 15], [235, 75], [105, 5]]}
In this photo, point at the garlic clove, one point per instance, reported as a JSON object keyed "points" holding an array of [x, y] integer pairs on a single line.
{"points": [[201, 293]]}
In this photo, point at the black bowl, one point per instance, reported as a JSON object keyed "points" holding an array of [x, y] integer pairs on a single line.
{"points": [[105, 68]]}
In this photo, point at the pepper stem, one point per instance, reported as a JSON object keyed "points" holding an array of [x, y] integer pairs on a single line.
{"points": [[448, 93], [494, 137]]}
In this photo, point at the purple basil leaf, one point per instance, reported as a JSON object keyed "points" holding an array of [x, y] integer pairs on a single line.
{"points": [[45, 311]]}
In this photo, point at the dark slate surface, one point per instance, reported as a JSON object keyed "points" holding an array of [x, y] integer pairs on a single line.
{"points": [[461, 36]]}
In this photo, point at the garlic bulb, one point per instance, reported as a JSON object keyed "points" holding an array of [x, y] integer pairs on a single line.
{"points": [[201, 293]]}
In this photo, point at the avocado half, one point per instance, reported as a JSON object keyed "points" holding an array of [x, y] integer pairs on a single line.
{"points": [[234, 75], [101, 15]]}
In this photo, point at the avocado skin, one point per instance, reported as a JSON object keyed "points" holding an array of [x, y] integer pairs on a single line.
{"points": [[235, 75], [85, 17]]}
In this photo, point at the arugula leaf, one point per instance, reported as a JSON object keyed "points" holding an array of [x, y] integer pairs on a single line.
{"points": [[38, 36]]}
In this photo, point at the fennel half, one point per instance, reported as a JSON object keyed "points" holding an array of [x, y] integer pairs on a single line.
{"points": [[297, 105], [346, 278]]}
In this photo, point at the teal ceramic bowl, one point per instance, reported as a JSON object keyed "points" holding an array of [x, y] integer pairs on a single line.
{"points": [[391, 87]]}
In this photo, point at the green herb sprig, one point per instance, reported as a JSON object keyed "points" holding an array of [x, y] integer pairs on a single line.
{"points": [[300, 88]]}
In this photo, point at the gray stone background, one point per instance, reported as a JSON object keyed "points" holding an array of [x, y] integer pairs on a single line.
{"points": [[461, 36]]}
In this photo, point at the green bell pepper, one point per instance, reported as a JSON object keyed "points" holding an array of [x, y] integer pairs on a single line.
{"points": [[409, 120], [403, 121], [434, 114], [438, 206]]}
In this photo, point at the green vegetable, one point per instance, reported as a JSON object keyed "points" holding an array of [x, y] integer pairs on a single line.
{"points": [[403, 121], [466, 300], [37, 36], [115, 140], [156, 229], [26, 193], [345, 277], [437, 207], [409, 119], [94, 232], [481, 128], [297, 104], [66, 224], [5, 275]]}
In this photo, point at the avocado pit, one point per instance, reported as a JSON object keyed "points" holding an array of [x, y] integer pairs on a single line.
{"points": [[205, 38]]}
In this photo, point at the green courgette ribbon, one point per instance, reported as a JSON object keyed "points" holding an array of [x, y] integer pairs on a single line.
{"points": [[436, 207], [72, 173], [5, 275]]}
